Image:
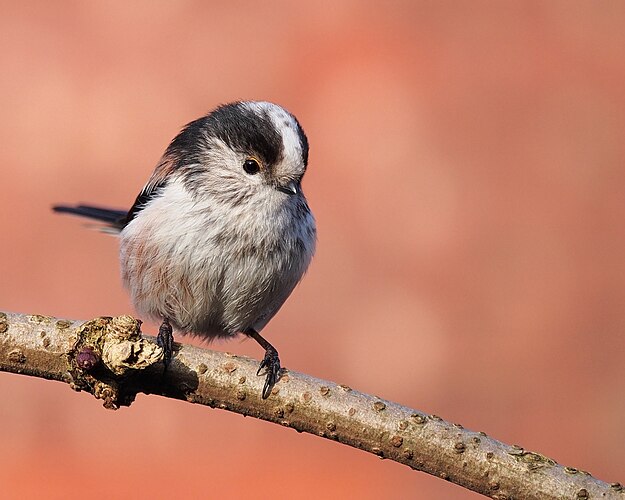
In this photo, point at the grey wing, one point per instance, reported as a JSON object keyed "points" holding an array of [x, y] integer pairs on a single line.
{"points": [[155, 184]]}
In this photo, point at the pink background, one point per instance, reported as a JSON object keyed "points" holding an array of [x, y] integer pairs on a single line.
{"points": [[467, 172]]}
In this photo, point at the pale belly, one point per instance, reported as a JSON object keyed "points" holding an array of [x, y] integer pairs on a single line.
{"points": [[206, 285]]}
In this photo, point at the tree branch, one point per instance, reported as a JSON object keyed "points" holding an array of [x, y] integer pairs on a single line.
{"points": [[109, 358]]}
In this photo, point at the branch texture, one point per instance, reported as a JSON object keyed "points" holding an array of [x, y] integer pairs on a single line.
{"points": [[111, 359]]}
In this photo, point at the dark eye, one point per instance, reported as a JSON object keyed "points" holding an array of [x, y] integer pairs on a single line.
{"points": [[251, 166]]}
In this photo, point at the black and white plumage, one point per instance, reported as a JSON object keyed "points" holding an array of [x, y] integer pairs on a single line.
{"points": [[221, 233]]}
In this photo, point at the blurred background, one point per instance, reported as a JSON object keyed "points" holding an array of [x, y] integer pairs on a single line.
{"points": [[467, 172]]}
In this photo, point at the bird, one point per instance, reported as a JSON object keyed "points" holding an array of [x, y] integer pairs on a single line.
{"points": [[221, 233]]}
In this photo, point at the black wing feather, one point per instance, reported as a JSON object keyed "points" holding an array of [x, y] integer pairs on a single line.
{"points": [[145, 196]]}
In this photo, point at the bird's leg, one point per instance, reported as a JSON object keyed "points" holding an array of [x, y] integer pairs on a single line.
{"points": [[271, 362], [165, 339]]}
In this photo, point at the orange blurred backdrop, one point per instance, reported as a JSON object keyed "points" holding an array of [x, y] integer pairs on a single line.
{"points": [[467, 172]]}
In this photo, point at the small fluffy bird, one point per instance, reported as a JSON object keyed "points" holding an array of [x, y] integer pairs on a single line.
{"points": [[221, 233]]}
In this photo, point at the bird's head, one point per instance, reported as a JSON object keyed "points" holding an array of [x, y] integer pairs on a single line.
{"points": [[241, 149]]}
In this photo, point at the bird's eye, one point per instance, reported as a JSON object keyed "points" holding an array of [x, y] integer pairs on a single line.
{"points": [[251, 166]]}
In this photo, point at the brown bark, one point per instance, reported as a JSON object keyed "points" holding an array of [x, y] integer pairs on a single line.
{"points": [[109, 358]]}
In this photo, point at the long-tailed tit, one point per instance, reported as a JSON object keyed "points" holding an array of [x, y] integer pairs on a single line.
{"points": [[221, 233]]}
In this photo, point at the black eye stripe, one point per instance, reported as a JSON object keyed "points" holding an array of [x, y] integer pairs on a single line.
{"points": [[245, 130]]}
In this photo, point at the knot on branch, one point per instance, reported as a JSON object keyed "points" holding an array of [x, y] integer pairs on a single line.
{"points": [[107, 355]]}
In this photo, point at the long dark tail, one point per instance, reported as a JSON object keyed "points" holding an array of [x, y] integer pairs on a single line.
{"points": [[113, 219]]}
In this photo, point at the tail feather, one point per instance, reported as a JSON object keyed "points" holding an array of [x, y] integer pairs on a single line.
{"points": [[115, 219]]}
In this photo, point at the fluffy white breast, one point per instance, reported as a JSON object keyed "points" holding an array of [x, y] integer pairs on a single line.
{"points": [[215, 269]]}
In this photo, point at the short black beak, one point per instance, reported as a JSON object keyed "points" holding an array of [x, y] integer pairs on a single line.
{"points": [[290, 188]]}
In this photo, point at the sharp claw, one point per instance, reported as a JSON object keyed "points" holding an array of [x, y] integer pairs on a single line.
{"points": [[265, 393], [165, 339], [267, 388], [271, 361]]}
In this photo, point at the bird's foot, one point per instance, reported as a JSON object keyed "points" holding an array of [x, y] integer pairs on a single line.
{"points": [[165, 339], [271, 363]]}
